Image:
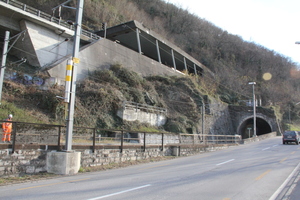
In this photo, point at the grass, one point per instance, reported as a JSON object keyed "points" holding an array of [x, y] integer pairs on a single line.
{"points": [[26, 178], [293, 127], [19, 114]]}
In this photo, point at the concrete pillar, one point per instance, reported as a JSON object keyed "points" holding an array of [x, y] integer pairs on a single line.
{"points": [[195, 69], [173, 58], [158, 52], [138, 40], [185, 65], [65, 163]]}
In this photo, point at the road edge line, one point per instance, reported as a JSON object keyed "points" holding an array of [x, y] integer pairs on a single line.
{"points": [[277, 192]]}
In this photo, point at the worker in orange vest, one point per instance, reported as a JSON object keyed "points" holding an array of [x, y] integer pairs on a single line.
{"points": [[7, 128]]}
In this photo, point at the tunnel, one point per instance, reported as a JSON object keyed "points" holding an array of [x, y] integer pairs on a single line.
{"points": [[246, 128]]}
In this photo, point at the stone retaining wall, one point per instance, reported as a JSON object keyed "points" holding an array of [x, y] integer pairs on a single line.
{"points": [[33, 161]]}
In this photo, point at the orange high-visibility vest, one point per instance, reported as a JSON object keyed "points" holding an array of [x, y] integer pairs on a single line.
{"points": [[6, 126]]}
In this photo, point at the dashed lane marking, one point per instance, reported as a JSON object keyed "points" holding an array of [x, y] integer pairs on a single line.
{"points": [[262, 175]]}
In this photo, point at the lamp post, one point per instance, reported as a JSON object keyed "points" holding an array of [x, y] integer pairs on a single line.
{"points": [[254, 109]]}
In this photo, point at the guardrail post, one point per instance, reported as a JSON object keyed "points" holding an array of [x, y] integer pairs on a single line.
{"points": [[193, 139], [162, 142], [14, 137], [59, 136], [122, 138], [144, 141], [94, 139]]}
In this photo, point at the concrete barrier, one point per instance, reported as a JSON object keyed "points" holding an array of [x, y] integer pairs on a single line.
{"points": [[65, 163], [259, 138]]}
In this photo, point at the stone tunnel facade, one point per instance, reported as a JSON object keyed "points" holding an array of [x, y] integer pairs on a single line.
{"points": [[242, 120]]}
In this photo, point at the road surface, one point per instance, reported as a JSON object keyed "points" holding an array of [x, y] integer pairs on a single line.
{"points": [[261, 170]]}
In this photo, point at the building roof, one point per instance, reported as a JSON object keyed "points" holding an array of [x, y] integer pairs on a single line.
{"points": [[126, 35]]}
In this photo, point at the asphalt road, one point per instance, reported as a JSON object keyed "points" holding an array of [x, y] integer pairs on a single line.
{"points": [[261, 170]]}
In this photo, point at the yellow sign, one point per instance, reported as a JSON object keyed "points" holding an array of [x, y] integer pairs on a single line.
{"points": [[76, 60]]}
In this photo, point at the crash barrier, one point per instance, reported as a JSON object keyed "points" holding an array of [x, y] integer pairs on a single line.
{"points": [[259, 138], [54, 136]]}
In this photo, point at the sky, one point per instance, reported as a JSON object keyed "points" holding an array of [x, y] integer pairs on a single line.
{"points": [[274, 24]]}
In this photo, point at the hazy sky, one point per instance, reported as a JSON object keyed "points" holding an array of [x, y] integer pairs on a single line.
{"points": [[274, 24]]}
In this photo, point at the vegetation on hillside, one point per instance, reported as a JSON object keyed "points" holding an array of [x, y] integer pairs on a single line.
{"points": [[235, 62], [101, 95]]}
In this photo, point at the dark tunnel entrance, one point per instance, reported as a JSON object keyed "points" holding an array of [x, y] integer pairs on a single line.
{"points": [[246, 128]]}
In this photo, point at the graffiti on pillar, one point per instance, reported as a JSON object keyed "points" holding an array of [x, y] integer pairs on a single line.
{"points": [[26, 79]]}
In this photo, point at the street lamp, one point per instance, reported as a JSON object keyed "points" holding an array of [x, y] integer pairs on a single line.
{"points": [[254, 109]]}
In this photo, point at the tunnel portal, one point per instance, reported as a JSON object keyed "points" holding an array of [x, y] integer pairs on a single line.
{"points": [[246, 128]]}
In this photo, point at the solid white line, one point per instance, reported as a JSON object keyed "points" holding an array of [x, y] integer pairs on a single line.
{"points": [[283, 185], [266, 148], [225, 162], [113, 194]]}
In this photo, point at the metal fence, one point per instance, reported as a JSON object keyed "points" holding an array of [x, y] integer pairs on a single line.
{"points": [[54, 135], [48, 17]]}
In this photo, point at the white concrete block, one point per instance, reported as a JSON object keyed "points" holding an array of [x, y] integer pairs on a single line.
{"points": [[65, 163]]}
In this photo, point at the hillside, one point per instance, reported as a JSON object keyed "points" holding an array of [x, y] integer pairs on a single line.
{"points": [[101, 95], [234, 62]]}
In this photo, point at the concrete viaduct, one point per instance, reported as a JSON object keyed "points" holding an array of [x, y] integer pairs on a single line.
{"points": [[47, 43]]}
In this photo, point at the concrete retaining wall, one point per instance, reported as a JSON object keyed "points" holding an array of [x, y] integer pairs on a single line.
{"points": [[104, 53], [131, 114], [259, 138]]}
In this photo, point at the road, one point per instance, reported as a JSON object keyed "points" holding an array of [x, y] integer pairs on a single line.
{"points": [[260, 170]]}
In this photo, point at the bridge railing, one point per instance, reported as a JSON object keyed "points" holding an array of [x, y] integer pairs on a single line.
{"points": [[48, 17]]}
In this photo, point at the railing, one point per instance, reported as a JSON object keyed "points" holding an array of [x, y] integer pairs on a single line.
{"points": [[144, 107], [48, 17], [209, 139], [54, 135]]}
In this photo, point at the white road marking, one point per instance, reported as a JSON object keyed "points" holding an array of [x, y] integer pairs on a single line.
{"points": [[283, 185], [225, 162], [121, 192], [266, 148]]}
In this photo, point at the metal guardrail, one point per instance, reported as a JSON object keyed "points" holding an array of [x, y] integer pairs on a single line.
{"points": [[48, 17], [209, 139], [54, 135], [129, 104]]}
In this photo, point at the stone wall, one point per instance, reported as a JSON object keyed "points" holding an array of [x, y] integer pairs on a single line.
{"points": [[32, 158], [22, 162], [33, 161]]}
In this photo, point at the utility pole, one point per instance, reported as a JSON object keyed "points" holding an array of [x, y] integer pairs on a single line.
{"points": [[3, 63], [254, 108], [70, 118], [203, 120]]}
